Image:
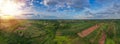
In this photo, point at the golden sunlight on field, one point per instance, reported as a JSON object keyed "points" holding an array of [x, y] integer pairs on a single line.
{"points": [[9, 25], [6, 17]]}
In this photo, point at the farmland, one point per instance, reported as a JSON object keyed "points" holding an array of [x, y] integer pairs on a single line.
{"points": [[59, 31]]}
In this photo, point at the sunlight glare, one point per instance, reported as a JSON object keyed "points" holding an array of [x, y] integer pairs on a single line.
{"points": [[10, 8]]}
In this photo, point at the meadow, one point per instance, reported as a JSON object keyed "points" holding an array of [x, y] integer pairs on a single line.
{"points": [[59, 31]]}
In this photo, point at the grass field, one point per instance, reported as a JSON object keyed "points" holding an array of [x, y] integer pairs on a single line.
{"points": [[59, 31]]}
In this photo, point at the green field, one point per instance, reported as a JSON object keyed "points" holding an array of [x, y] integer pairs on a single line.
{"points": [[58, 31]]}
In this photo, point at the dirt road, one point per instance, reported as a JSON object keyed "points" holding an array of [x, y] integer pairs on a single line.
{"points": [[102, 39], [86, 32]]}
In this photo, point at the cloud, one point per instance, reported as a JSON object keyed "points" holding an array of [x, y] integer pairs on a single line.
{"points": [[111, 11], [80, 9], [78, 4]]}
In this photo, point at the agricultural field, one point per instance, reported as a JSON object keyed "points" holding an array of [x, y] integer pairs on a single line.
{"points": [[59, 31]]}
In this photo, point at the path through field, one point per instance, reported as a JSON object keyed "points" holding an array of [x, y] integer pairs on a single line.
{"points": [[86, 32], [102, 39]]}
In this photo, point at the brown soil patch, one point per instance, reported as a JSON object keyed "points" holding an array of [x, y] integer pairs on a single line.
{"points": [[102, 39], [88, 31]]}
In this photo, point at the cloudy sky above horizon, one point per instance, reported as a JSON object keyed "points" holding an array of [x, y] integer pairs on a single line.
{"points": [[72, 9]]}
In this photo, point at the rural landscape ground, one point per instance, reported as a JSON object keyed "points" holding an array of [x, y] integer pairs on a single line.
{"points": [[59, 31]]}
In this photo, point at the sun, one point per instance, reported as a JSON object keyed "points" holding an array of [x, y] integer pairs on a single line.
{"points": [[10, 8]]}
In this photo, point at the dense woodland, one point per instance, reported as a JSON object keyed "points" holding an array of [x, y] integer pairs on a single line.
{"points": [[58, 31]]}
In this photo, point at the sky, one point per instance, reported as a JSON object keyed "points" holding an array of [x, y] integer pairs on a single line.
{"points": [[71, 9]]}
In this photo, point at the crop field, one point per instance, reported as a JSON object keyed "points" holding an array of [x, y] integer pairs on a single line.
{"points": [[59, 31]]}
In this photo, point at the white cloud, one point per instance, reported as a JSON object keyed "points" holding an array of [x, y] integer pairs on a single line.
{"points": [[63, 3]]}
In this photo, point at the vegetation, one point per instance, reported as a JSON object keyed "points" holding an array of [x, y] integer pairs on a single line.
{"points": [[58, 31]]}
